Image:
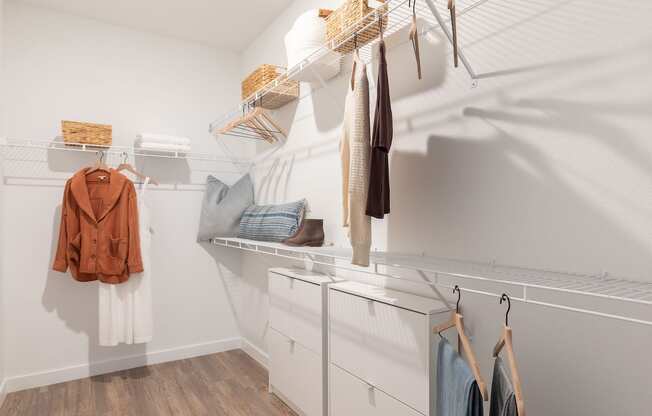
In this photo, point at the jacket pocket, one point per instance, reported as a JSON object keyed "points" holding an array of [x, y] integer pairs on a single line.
{"points": [[74, 249], [118, 248]]}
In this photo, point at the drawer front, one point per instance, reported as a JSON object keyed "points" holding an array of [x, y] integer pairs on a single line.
{"points": [[296, 373], [296, 310], [352, 396], [383, 345], [280, 303]]}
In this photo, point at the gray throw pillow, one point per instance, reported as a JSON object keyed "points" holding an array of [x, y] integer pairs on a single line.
{"points": [[222, 207]]}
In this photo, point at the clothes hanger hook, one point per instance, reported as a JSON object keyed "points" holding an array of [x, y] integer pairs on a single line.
{"points": [[459, 296], [509, 307], [100, 156]]}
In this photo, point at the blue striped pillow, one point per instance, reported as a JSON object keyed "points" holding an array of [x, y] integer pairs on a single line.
{"points": [[271, 222]]}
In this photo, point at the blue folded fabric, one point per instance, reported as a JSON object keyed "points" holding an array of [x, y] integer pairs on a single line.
{"points": [[272, 223], [457, 393]]}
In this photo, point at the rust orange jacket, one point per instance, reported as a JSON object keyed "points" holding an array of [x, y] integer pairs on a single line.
{"points": [[99, 236]]}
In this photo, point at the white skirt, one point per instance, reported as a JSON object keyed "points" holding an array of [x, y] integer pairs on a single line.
{"points": [[126, 311]]}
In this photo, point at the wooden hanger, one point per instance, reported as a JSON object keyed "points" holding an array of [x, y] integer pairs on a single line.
{"points": [[129, 168], [506, 342], [356, 56], [457, 322], [414, 37], [256, 124], [324, 13], [99, 164], [451, 7]]}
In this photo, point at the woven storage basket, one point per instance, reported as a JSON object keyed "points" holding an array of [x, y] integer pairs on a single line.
{"points": [[75, 132], [344, 27], [286, 91]]}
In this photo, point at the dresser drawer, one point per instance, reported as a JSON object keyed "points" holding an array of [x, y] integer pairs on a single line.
{"points": [[384, 345], [352, 396], [296, 374], [296, 310]]}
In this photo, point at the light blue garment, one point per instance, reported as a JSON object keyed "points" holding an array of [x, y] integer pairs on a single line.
{"points": [[457, 391]]}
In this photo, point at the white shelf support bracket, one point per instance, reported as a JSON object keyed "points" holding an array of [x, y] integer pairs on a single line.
{"points": [[324, 87], [449, 35]]}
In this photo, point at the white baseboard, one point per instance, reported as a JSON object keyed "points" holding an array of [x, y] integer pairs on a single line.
{"points": [[256, 353], [61, 375], [3, 391]]}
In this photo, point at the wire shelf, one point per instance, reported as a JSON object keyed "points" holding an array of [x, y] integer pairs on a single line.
{"points": [[59, 145], [396, 16], [573, 292]]}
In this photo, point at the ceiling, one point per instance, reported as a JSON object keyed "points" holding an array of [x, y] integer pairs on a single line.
{"points": [[230, 24]]}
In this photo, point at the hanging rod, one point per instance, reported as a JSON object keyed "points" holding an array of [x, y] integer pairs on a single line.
{"points": [[117, 150], [601, 288]]}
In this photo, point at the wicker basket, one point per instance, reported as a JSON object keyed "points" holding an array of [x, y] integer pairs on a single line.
{"points": [[345, 27], [75, 132], [286, 90]]}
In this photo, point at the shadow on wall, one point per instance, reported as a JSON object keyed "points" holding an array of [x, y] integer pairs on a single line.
{"points": [[77, 305], [272, 186], [245, 290], [513, 197]]}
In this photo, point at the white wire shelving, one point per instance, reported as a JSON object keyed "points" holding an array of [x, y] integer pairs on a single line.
{"points": [[396, 15], [597, 295], [58, 145]]}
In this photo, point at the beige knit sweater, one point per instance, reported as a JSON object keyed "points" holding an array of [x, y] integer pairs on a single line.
{"points": [[355, 151]]}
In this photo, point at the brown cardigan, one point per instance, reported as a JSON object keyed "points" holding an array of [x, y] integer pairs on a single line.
{"points": [[99, 236]]}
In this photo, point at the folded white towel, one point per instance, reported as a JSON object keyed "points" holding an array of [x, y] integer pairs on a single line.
{"points": [[167, 147], [163, 138]]}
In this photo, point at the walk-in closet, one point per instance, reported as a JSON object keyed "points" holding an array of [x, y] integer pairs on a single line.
{"points": [[325, 208]]}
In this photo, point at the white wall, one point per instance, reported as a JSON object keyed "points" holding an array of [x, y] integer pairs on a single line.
{"points": [[2, 312], [546, 165], [61, 67]]}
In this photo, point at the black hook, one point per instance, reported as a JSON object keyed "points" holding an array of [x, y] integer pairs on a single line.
{"points": [[413, 4], [509, 307], [459, 296]]}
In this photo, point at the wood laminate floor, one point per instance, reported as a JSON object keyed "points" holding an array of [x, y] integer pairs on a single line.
{"points": [[229, 383]]}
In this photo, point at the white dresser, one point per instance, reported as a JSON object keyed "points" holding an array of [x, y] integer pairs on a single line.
{"points": [[380, 343], [297, 339]]}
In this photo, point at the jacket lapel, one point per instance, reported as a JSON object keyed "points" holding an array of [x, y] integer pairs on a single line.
{"points": [[116, 184], [79, 191]]}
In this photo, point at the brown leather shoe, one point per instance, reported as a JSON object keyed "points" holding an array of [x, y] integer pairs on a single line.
{"points": [[310, 233]]}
